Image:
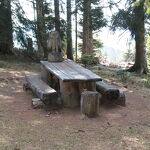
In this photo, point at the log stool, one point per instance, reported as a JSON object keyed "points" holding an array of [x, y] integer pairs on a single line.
{"points": [[90, 103]]}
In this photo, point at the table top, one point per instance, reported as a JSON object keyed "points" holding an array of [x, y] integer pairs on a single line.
{"points": [[68, 70]]}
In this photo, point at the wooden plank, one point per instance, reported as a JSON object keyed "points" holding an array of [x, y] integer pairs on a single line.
{"points": [[81, 70], [51, 67], [70, 71]]}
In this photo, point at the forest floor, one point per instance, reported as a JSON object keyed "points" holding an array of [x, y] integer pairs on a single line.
{"points": [[116, 128]]}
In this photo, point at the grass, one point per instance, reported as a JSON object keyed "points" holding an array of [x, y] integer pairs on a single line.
{"points": [[123, 77]]}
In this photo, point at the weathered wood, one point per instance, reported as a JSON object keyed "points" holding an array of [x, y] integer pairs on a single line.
{"points": [[82, 70], [40, 88], [110, 92], [90, 103], [121, 100], [54, 42], [55, 57], [46, 76], [70, 94], [54, 47], [52, 69], [87, 86], [70, 71]]}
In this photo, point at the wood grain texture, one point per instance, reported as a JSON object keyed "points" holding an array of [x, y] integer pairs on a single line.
{"points": [[70, 71], [70, 94], [90, 103], [108, 91], [40, 88]]}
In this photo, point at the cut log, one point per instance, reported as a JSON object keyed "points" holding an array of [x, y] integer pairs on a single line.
{"points": [[55, 57], [70, 94], [109, 92], [49, 78], [90, 103], [87, 86], [45, 75], [121, 99], [41, 89]]}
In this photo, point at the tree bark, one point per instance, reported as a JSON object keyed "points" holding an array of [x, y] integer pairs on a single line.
{"points": [[69, 31], [6, 31], [41, 29], [87, 28], [76, 30], [140, 65], [57, 15]]}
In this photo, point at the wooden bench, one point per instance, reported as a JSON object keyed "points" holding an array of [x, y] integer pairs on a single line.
{"points": [[40, 88], [110, 93]]}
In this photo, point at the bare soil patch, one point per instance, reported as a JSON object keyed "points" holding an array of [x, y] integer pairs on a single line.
{"points": [[25, 128]]}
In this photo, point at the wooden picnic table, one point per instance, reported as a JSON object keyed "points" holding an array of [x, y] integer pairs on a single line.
{"points": [[72, 79]]}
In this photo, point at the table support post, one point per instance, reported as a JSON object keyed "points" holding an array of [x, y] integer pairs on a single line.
{"points": [[70, 94], [87, 86], [46, 75]]}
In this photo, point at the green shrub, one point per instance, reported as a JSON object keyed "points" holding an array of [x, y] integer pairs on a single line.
{"points": [[123, 75], [3, 64], [86, 59]]}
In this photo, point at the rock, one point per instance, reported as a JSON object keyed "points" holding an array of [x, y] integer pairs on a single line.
{"points": [[37, 103]]}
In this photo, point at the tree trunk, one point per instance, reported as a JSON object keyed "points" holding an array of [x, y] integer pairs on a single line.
{"points": [[76, 30], [140, 65], [69, 31], [41, 29], [87, 28], [6, 32], [57, 16]]}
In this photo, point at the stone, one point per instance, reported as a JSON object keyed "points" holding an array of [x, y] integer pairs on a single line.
{"points": [[37, 103]]}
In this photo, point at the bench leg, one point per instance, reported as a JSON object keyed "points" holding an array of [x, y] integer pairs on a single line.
{"points": [[70, 94]]}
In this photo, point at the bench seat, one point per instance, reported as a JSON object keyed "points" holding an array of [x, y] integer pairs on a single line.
{"points": [[110, 91], [40, 88]]}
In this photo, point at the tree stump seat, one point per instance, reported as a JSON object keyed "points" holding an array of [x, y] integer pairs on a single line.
{"points": [[40, 88], [90, 103]]}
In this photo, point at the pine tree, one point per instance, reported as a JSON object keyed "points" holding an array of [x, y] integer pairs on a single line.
{"points": [[87, 28], [41, 29], [57, 15], [69, 31], [6, 32], [133, 19]]}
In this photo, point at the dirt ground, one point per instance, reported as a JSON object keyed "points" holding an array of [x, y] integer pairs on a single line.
{"points": [[25, 128]]}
